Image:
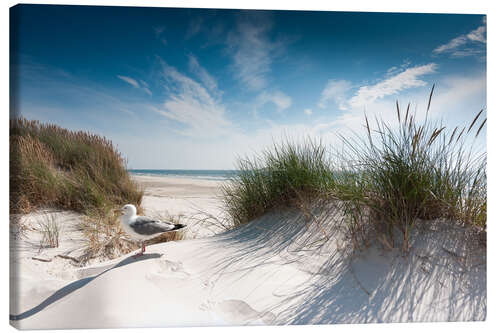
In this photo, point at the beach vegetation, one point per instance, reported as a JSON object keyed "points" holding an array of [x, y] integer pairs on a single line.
{"points": [[105, 237], [54, 167], [386, 179], [284, 175], [395, 176], [51, 231]]}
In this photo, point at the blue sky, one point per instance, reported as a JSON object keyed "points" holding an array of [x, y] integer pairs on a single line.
{"points": [[194, 88]]}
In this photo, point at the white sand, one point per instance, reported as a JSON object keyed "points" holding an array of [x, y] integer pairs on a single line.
{"points": [[276, 270], [190, 199]]}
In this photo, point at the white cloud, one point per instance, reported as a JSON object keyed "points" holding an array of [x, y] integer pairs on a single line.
{"points": [[455, 101], [378, 98], [451, 45], [147, 91], [392, 70], [252, 51], [335, 90], [395, 79], [397, 69], [477, 35], [140, 85], [409, 78], [202, 74], [129, 80], [193, 106], [278, 98], [308, 112]]}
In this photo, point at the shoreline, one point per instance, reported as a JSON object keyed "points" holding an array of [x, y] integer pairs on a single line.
{"points": [[209, 175]]}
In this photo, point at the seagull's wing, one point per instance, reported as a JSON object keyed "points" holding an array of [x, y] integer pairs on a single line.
{"points": [[147, 226]]}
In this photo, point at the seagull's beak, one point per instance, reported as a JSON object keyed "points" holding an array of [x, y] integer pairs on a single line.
{"points": [[118, 210]]}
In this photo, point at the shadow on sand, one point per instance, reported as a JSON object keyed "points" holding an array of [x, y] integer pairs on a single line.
{"points": [[442, 279], [73, 286]]}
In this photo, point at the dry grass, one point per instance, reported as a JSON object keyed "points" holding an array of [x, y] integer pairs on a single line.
{"points": [[51, 231], [107, 240], [54, 167], [168, 236], [105, 237]]}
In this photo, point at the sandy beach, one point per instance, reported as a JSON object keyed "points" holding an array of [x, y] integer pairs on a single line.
{"points": [[189, 199], [178, 195], [278, 269]]}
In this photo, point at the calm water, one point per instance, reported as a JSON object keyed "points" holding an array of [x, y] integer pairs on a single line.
{"points": [[198, 174]]}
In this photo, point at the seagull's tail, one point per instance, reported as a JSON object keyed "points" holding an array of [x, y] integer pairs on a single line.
{"points": [[178, 226]]}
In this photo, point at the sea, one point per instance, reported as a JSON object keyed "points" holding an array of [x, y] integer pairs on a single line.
{"points": [[196, 174]]}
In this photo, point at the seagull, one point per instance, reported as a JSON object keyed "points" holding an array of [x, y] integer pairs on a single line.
{"points": [[142, 228]]}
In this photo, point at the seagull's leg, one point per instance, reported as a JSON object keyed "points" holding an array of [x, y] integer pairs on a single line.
{"points": [[143, 248]]}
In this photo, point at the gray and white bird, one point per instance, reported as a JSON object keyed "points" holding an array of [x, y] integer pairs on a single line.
{"points": [[142, 228]]}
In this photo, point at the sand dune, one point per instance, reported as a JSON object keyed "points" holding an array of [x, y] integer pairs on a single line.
{"points": [[273, 271], [279, 269]]}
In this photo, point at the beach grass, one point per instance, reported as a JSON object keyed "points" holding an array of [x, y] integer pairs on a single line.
{"points": [[51, 231], [386, 179], [281, 176], [416, 170], [54, 167]]}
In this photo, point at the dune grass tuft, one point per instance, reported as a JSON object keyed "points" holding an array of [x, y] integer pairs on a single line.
{"points": [[54, 167], [416, 170], [51, 231], [281, 176]]}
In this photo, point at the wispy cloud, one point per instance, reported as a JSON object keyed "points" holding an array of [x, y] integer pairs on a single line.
{"points": [[308, 112], [409, 78], [253, 50], [136, 84], [376, 98], [159, 34], [129, 80], [397, 69], [207, 79], [278, 98], [467, 41], [335, 90], [396, 79], [192, 105], [194, 27]]}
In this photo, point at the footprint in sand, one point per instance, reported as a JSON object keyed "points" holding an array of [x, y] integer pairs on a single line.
{"points": [[238, 312], [208, 284], [207, 305], [165, 269], [171, 267]]}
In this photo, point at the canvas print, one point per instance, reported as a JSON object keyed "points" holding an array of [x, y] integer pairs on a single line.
{"points": [[176, 167]]}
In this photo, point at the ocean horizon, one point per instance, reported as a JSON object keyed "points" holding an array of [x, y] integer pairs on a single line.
{"points": [[186, 173]]}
